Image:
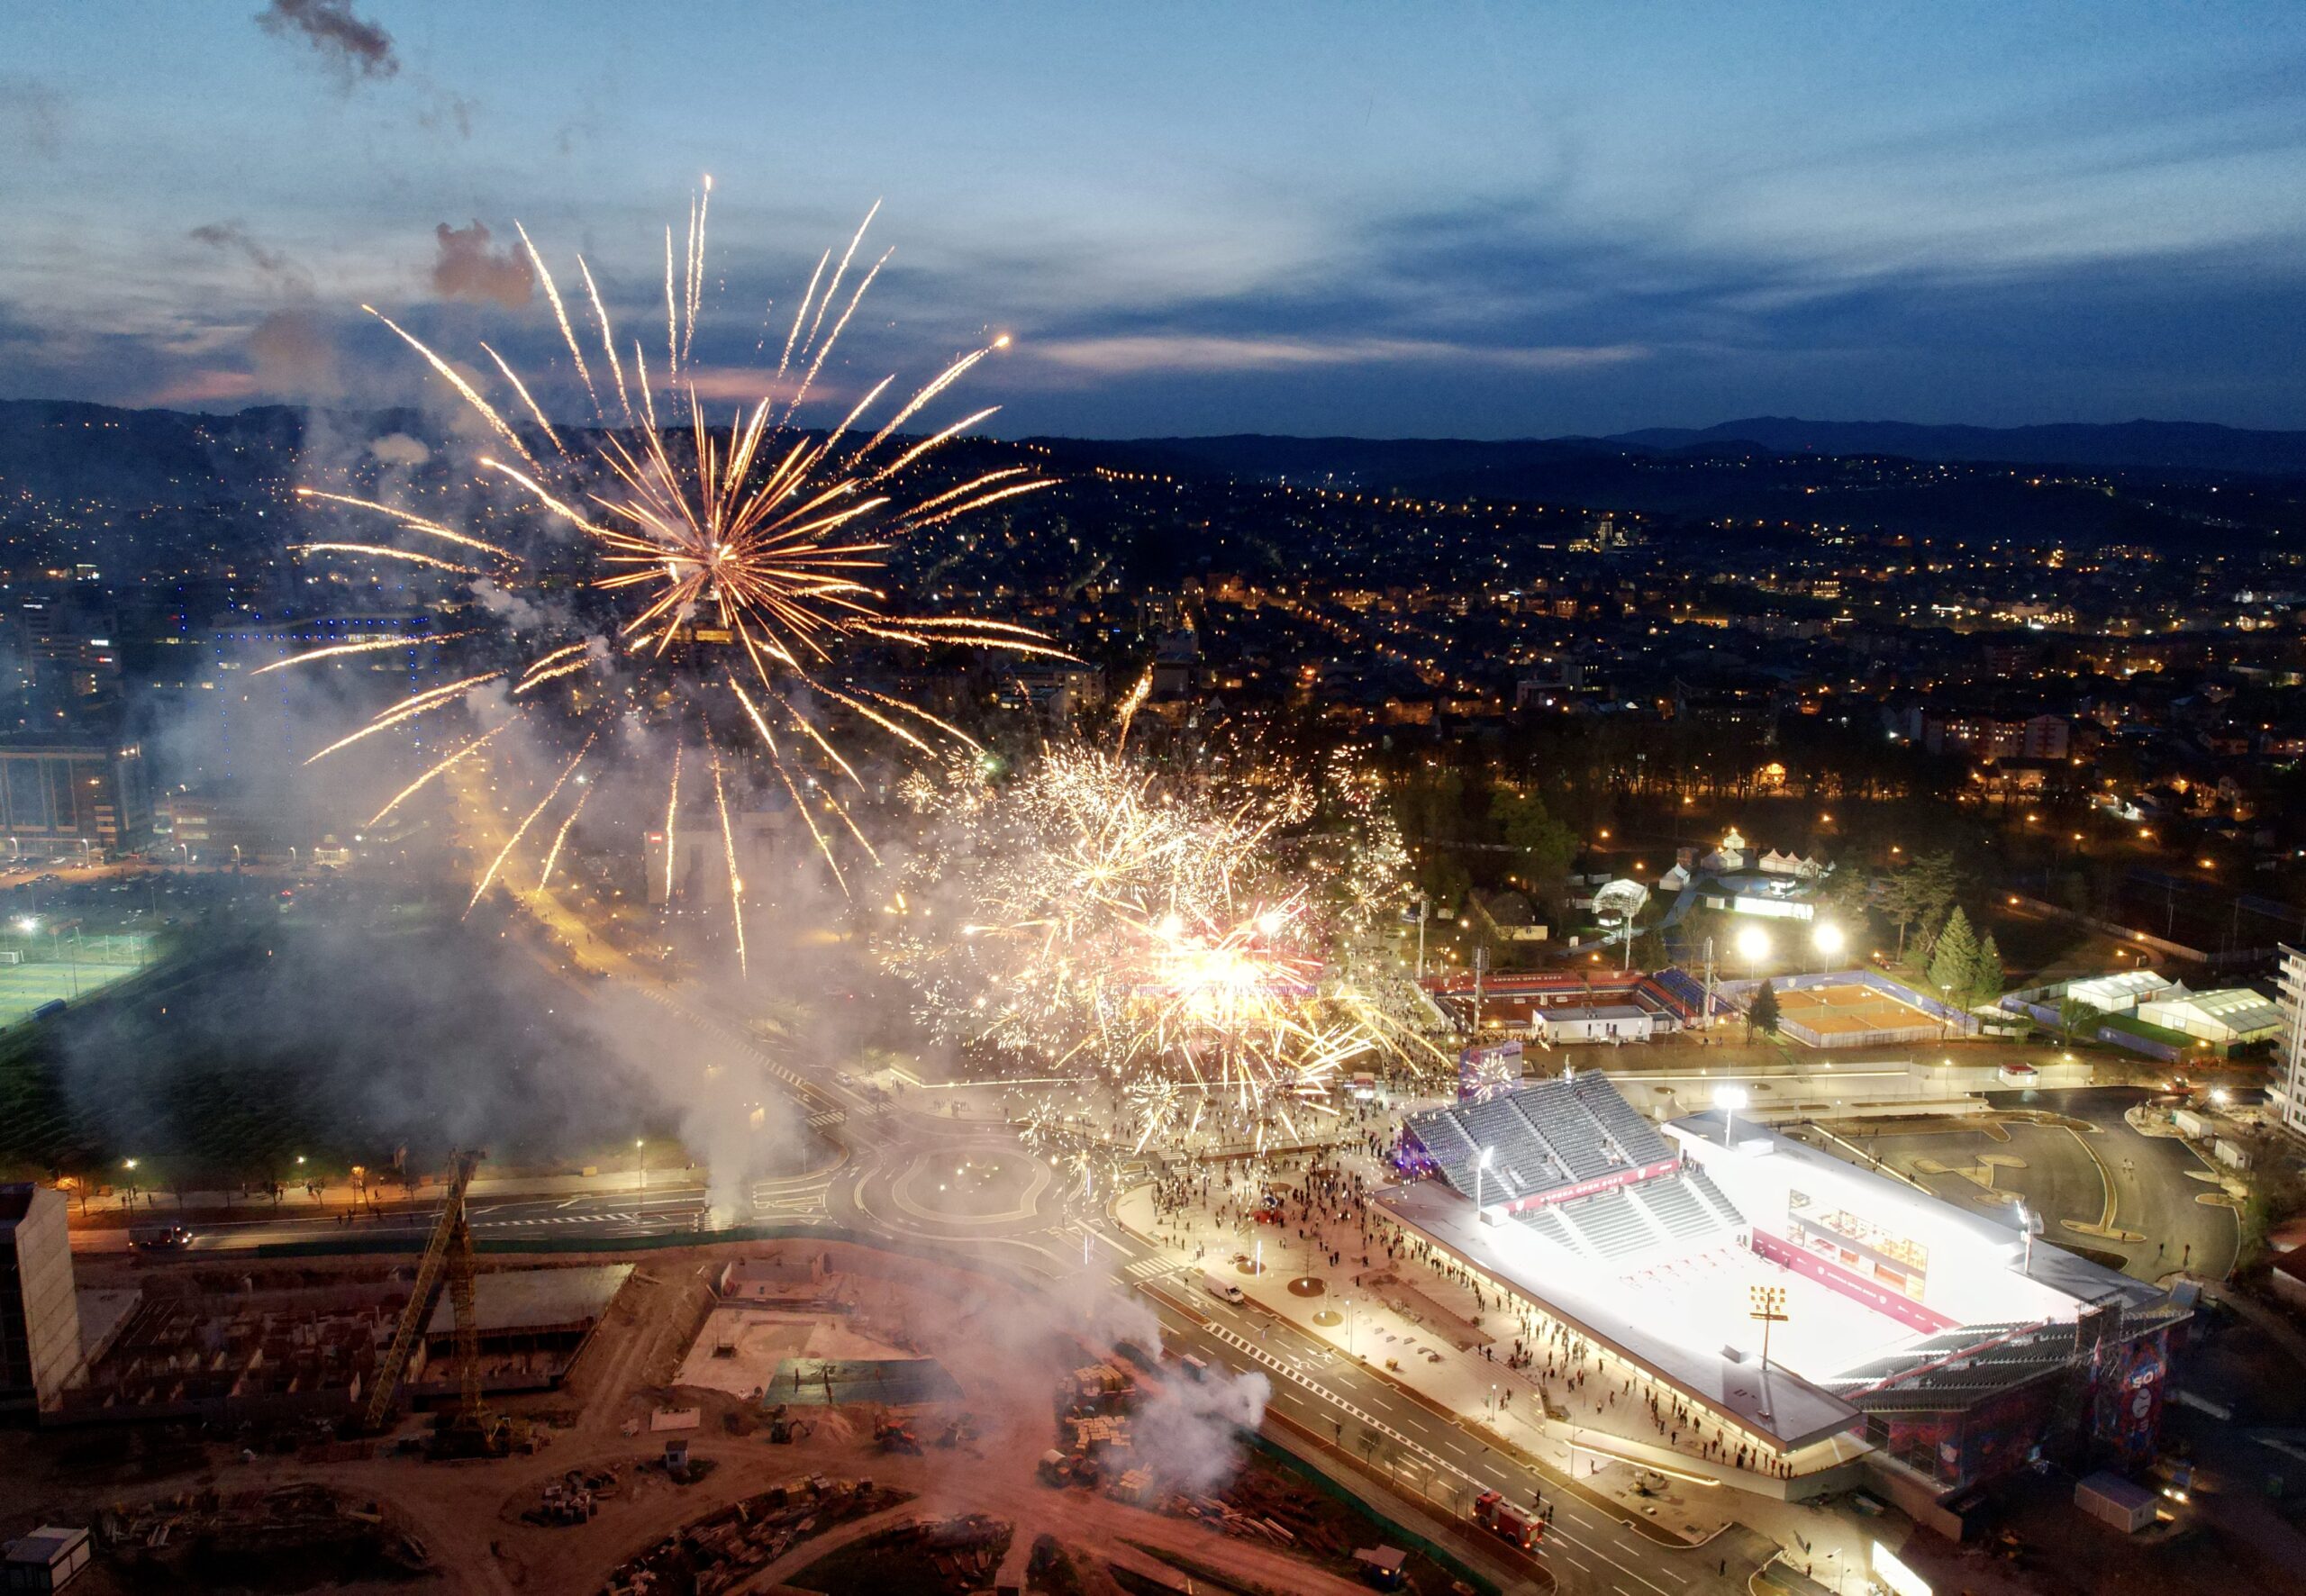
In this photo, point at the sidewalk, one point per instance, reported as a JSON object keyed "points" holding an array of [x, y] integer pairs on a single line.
{"points": [[110, 1210], [1428, 1335]]}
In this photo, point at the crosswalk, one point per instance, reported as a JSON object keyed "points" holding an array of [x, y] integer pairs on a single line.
{"points": [[566, 1218], [1152, 1268]]}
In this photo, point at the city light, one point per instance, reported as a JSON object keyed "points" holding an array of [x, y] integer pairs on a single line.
{"points": [[1827, 938], [1753, 943]]}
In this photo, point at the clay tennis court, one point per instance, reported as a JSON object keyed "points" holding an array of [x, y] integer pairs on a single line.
{"points": [[1851, 1016]]}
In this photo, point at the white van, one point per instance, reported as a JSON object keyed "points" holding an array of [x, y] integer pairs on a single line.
{"points": [[1222, 1289]]}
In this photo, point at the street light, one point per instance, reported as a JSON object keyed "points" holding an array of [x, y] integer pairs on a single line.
{"points": [[1753, 947], [641, 1157], [1480, 1165], [1729, 1098], [129, 1165], [1828, 940]]}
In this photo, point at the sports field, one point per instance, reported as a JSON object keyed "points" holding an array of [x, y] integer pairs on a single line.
{"points": [[25, 987], [1852, 1016]]}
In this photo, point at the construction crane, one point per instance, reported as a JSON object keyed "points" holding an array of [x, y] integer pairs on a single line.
{"points": [[447, 1258]]}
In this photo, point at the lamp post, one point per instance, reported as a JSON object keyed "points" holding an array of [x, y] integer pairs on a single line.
{"points": [[1729, 1098], [640, 1159], [1753, 947], [1769, 1306], [1480, 1165], [1424, 906], [129, 1165], [1828, 940]]}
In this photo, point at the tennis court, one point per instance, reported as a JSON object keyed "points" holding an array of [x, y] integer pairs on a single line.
{"points": [[25, 987], [1852, 1016]]}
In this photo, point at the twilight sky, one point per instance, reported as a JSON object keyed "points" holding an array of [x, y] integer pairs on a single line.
{"points": [[1484, 220]]}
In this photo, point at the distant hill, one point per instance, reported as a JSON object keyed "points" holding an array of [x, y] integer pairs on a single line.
{"points": [[2188, 446]]}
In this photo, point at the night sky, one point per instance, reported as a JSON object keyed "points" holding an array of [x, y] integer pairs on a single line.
{"points": [[1475, 220]]}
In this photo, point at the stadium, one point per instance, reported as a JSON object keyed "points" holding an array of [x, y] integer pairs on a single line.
{"points": [[1929, 1345]]}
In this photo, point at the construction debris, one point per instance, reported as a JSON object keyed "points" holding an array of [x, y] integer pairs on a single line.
{"points": [[719, 1550]]}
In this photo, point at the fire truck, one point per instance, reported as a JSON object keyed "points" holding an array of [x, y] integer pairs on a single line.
{"points": [[1515, 1526]]}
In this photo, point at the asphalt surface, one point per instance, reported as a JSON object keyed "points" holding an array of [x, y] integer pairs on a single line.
{"points": [[1337, 1398], [2103, 1173], [2155, 1189]]}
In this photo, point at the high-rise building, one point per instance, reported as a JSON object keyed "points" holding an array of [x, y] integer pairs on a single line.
{"points": [[2290, 1074], [40, 1314]]}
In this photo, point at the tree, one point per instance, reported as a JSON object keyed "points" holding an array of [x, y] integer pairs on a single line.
{"points": [[2077, 1020], [1547, 848], [1761, 1015], [1954, 957], [1929, 887], [1987, 977]]}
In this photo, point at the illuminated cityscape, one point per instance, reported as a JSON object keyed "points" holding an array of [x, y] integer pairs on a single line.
{"points": [[1036, 804]]}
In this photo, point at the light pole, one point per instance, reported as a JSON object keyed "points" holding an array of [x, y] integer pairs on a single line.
{"points": [[2026, 1225], [1829, 941], [1424, 906], [1753, 947], [1729, 1098], [640, 1159], [1480, 1165], [129, 1165]]}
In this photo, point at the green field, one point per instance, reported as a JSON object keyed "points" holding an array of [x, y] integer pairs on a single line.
{"points": [[25, 987]]}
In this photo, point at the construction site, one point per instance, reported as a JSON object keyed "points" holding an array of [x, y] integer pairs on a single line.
{"points": [[818, 1415]]}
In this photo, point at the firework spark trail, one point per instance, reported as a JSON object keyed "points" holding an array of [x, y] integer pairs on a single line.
{"points": [[729, 849], [521, 829], [752, 536], [411, 522], [672, 814], [560, 314], [440, 769], [371, 646], [464, 390], [433, 698], [544, 878], [380, 551]]}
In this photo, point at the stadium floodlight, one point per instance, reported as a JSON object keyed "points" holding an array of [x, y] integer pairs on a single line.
{"points": [[1753, 944], [1481, 1163], [1826, 938], [1729, 1098]]}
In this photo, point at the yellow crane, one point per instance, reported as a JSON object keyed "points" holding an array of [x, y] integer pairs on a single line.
{"points": [[448, 1259]]}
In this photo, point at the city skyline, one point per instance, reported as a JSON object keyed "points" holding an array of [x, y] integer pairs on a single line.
{"points": [[1502, 224]]}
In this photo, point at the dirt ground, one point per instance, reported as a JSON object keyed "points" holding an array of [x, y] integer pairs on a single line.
{"points": [[999, 1345]]}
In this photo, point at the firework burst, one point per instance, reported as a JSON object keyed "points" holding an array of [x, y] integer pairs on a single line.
{"points": [[732, 565], [1176, 940]]}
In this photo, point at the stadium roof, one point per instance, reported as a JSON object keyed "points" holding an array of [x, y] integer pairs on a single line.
{"points": [[1776, 1403]]}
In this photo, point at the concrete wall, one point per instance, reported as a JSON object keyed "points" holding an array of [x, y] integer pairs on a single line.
{"points": [[37, 1266]]}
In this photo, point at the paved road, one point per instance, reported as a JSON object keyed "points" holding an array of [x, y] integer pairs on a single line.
{"points": [[1335, 1397], [2154, 1184]]}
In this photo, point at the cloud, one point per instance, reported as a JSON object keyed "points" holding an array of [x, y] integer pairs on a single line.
{"points": [[1128, 354], [233, 238], [349, 47], [466, 269], [36, 113], [196, 389]]}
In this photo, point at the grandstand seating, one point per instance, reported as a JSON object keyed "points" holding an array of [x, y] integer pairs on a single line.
{"points": [[1611, 1225], [1686, 991], [1710, 1197], [1635, 1139], [1547, 1224], [1674, 1208]]}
